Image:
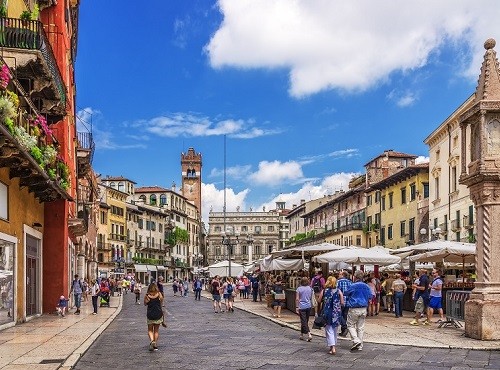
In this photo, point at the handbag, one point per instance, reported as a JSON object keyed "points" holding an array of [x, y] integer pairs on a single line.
{"points": [[319, 321], [279, 296], [314, 302]]}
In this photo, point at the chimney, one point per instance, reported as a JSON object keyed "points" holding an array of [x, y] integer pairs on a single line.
{"points": [[302, 201]]}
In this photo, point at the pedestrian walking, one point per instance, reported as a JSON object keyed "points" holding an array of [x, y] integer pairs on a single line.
{"points": [[175, 287], [94, 293], [77, 290], [422, 298], [153, 301], [332, 300], [228, 292], [185, 287], [278, 292], [137, 292], [357, 297], [303, 298], [318, 284], [343, 284], [215, 289], [435, 302]]}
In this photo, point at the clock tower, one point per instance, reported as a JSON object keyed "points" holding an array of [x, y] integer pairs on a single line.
{"points": [[191, 176]]}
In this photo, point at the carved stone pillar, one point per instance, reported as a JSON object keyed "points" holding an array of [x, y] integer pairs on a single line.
{"points": [[482, 177]]}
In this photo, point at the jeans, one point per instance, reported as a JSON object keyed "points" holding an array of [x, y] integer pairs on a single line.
{"points": [[356, 323], [78, 300], [197, 294], [255, 292], [398, 303], [94, 302]]}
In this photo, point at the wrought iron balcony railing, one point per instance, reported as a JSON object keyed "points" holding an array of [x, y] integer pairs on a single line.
{"points": [[30, 35]]}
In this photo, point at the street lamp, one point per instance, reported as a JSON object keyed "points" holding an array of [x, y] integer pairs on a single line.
{"points": [[432, 234], [250, 247], [229, 239]]}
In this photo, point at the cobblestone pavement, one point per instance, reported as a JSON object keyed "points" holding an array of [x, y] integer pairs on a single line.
{"points": [[197, 338]]}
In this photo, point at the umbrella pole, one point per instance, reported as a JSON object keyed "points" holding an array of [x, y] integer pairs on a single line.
{"points": [[463, 269]]}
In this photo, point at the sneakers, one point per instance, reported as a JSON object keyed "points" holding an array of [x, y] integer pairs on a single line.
{"points": [[426, 322], [151, 346], [77, 312], [414, 323], [155, 346], [94, 313], [356, 346]]}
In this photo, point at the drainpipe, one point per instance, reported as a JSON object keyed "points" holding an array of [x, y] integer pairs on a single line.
{"points": [[449, 176]]}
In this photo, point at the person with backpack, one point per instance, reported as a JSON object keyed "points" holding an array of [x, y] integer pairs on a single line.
{"points": [[153, 300], [228, 289], [333, 300], [318, 284], [77, 290]]}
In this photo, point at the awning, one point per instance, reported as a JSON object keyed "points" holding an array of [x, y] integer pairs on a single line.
{"points": [[151, 267], [160, 268], [140, 268]]}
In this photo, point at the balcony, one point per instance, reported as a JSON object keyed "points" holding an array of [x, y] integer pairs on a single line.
{"points": [[409, 239], [444, 227], [455, 225], [80, 225], [117, 237], [349, 227], [42, 179], [27, 51], [468, 223], [102, 246], [84, 153]]}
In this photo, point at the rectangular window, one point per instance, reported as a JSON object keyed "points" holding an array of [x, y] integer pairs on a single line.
{"points": [[436, 185], [426, 189], [257, 229], [389, 232], [403, 229], [270, 228], [382, 205], [391, 198], [403, 195], [454, 179], [411, 229], [413, 192], [4, 201], [458, 220], [369, 200], [471, 215], [377, 219], [358, 240], [382, 235], [244, 228], [377, 196]]}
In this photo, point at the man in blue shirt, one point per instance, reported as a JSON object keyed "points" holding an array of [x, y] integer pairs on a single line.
{"points": [[343, 284], [357, 297], [421, 291]]}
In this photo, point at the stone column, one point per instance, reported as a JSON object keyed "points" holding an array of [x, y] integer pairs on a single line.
{"points": [[482, 177]]}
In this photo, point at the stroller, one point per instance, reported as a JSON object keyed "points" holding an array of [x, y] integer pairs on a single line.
{"points": [[104, 297]]}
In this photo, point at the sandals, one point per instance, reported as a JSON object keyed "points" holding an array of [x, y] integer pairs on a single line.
{"points": [[332, 353]]}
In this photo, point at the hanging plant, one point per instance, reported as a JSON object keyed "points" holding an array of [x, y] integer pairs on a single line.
{"points": [[12, 96], [4, 76], [37, 154], [26, 140], [41, 122], [10, 125], [25, 15], [52, 173], [49, 154], [7, 109], [64, 184]]}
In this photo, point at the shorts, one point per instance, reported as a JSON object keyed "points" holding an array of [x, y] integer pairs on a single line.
{"points": [[435, 303], [227, 295], [216, 297], [419, 305], [279, 303]]}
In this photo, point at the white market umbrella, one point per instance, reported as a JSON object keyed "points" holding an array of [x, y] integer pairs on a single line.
{"points": [[279, 264], [356, 255], [222, 269], [307, 250], [465, 253], [428, 246]]}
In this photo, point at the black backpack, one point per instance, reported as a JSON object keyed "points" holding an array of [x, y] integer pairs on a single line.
{"points": [[317, 285], [154, 311], [229, 288]]}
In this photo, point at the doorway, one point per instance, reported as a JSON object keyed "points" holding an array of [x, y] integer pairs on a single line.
{"points": [[32, 276]]}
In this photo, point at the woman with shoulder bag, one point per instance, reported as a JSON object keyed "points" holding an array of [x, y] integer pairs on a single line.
{"points": [[279, 297], [303, 297], [333, 300], [153, 300]]}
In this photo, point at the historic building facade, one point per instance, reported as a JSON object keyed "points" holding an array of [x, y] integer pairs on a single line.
{"points": [[451, 211]]}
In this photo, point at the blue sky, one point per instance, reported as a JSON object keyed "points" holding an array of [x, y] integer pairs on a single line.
{"points": [[306, 92]]}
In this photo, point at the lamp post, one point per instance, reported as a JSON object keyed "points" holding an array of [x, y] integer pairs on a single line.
{"points": [[250, 247], [229, 239], [432, 234]]}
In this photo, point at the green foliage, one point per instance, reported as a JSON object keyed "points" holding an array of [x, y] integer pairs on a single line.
{"points": [[36, 153], [25, 15], [10, 125], [35, 13], [177, 236], [471, 238], [3, 11], [52, 173]]}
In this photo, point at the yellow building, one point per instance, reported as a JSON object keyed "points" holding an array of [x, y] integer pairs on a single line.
{"points": [[398, 208], [112, 232]]}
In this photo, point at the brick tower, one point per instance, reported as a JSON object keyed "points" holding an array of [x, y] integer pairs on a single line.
{"points": [[191, 176]]}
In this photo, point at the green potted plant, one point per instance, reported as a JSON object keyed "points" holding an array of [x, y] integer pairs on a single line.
{"points": [[25, 15], [3, 11]]}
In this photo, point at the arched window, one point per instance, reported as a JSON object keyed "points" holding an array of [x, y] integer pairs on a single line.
{"points": [[142, 198], [152, 199], [121, 186], [163, 199]]}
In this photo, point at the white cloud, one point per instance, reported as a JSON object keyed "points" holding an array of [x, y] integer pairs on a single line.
{"points": [[213, 199], [275, 172], [192, 125], [337, 154], [348, 45], [403, 98], [421, 159], [329, 185], [235, 172]]}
